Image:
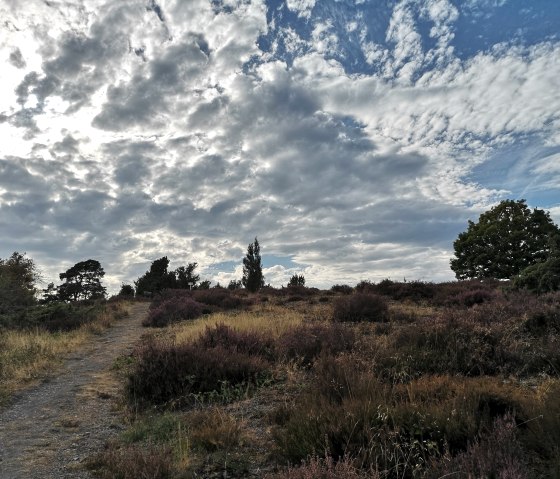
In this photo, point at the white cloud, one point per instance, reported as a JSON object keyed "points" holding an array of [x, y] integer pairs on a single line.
{"points": [[136, 133], [302, 7]]}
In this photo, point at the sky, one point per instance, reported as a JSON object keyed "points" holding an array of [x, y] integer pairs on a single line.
{"points": [[355, 139]]}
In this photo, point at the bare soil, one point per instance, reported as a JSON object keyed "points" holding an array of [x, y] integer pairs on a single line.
{"points": [[50, 430]]}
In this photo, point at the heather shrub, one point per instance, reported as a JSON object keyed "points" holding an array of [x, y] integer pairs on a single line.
{"points": [[319, 468], [399, 430], [455, 293], [470, 298], [342, 289], [541, 434], [363, 428], [223, 299], [305, 343], [166, 372], [246, 342], [490, 339], [499, 454], [301, 290], [169, 294], [545, 321], [366, 286], [177, 308], [360, 307]]}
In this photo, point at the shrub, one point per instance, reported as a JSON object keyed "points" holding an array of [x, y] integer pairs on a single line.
{"points": [[412, 290], [59, 317], [168, 294], [366, 286], [397, 430], [175, 309], [133, 462], [543, 322], [306, 342], [471, 297], [456, 293], [497, 454], [246, 342], [342, 288], [540, 277], [318, 468], [213, 429], [221, 298], [166, 372], [360, 307]]}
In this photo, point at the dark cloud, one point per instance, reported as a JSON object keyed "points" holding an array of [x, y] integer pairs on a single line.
{"points": [[154, 7], [67, 148], [16, 59], [143, 99]]}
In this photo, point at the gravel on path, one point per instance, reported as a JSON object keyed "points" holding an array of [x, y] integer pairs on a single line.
{"points": [[49, 431]]}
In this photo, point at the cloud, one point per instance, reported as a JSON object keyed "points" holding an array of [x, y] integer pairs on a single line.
{"points": [[302, 7], [350, 137], [16, 58]]}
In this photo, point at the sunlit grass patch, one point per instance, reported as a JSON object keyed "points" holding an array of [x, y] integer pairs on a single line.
{"points": [[266, 319]]}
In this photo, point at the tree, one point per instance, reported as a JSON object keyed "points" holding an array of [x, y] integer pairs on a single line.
{"points": [[82, 281], [297, 280], [50, 294], [507, 239], [18, 277], [156, 279], [185, 277], [253, 278], [542, 277], [127, 291], [235, 284]]}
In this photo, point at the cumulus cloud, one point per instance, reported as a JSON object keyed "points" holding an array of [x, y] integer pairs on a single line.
{"points": [[346, 135]]}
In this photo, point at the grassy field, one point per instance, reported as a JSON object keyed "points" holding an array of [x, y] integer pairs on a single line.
{"points": [[30, 354], [397, 380]]}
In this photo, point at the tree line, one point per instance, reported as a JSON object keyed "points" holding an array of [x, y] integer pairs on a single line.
{"points": [[509, 241], [19, 276]]}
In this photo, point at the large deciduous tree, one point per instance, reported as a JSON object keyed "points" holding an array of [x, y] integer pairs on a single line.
{"points": [[82, 281], [506, 239], [253, 278]]}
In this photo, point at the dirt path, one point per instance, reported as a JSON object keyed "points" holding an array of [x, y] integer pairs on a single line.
{"points": [[52, 429]]}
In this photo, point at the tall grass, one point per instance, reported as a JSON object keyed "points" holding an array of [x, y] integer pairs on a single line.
{"points": [[270, 320]]}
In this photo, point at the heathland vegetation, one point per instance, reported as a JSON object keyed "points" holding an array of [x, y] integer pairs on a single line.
{"points": [[376, 380]]}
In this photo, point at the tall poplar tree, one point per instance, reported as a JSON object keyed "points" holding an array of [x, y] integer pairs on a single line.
{"points": [[253, 278]]}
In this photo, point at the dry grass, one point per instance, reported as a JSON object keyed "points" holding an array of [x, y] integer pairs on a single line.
{"points": [[28, 356], [269, 320]]}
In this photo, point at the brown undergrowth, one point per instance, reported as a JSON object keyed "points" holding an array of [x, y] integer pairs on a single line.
{"points": [[409, 381]]}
